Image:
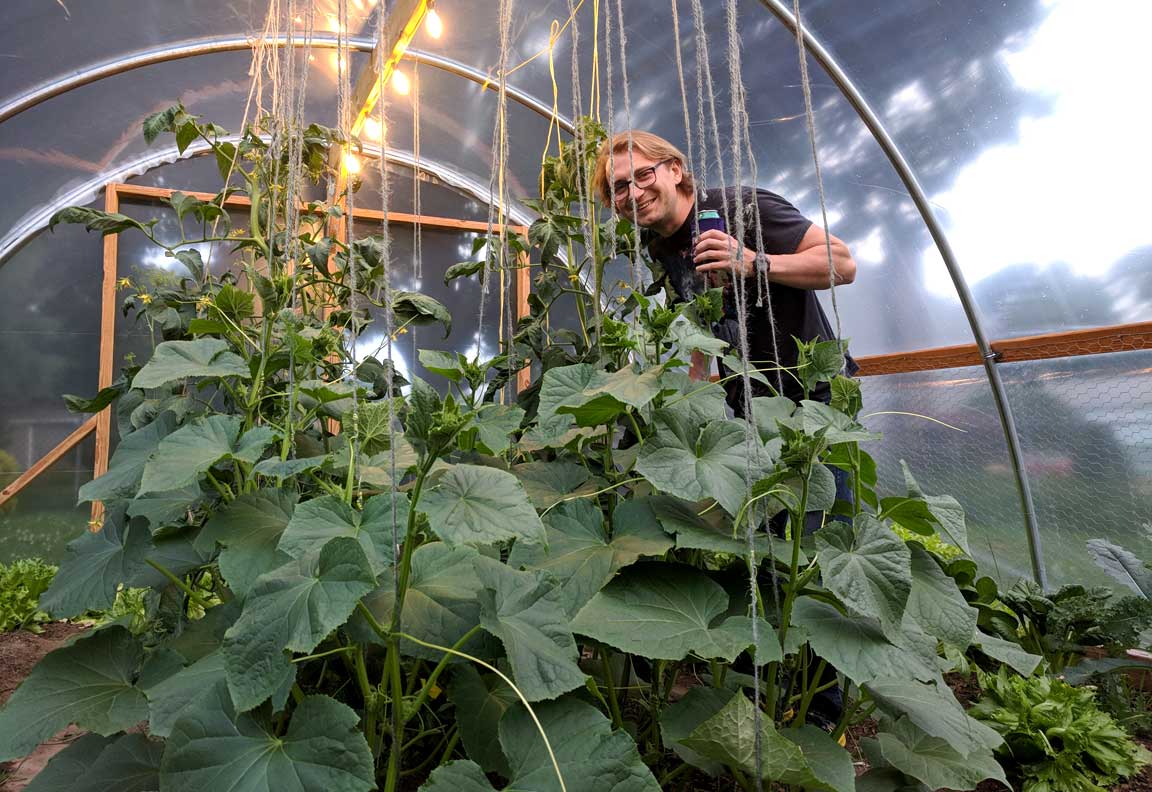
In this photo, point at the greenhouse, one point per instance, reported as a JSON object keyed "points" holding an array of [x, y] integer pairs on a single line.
{"points": [[464, 395]]}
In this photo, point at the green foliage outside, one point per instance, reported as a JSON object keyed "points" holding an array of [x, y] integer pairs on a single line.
{"points": [[21, 584], [553, 564], [1057, 737]]}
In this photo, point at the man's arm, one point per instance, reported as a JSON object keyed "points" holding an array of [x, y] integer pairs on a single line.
{"points": [[807, 268]]}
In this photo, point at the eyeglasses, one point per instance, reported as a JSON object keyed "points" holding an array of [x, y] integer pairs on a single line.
{"points": [[641, 178]]}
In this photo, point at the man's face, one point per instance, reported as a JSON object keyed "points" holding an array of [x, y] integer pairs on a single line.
{"points": [[657, 200]]}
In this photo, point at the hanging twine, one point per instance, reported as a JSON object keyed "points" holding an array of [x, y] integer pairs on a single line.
{"points": [[810, 121], [496, 180]]}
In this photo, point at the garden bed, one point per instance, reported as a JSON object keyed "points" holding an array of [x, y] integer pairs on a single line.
{"points": [[20, 651]]}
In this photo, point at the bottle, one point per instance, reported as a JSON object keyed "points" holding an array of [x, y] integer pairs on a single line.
{"points": [[710, 220]]}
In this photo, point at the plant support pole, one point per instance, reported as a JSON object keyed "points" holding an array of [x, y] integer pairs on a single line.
{"points": [[856, 99]]}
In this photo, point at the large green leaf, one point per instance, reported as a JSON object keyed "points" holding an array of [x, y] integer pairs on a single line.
{"points": [[249, 528], [934, 709], [90, 683], [697, 402], [933, 760], [564, 385], [476, 505], [440, 606], [461, 775], [681, 719], [183, 456], [579, 553], [66, 769], [857, 647], [293, 607], [716, 462], [187, 691], [128, 763], [935, 603], [163, 509], [95, 564], [1122, 566], [815, 416], [420, 309], [524, 610], [729, 737], [322, 749], [608, 395], [592, 757], [690, 337], [768, 410], [1008, 652], [946, 511], [867, 566], [666, 611], [317, 521], [127, 463], [712, 530], [548, 482], [494, 423], [481, 702], [204, 357]]}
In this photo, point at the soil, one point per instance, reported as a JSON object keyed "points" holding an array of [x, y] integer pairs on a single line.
{"points": [[19, 652]]}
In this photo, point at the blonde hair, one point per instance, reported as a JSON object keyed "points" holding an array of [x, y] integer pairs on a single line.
{"points": [[651, 146]]}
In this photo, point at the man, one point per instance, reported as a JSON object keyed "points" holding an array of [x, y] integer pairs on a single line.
{"points": [[655, 190]]}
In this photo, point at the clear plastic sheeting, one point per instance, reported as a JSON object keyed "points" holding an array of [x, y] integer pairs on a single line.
{"points": [[944, 425], [44, 517], [49, 339], [1085, 425]]}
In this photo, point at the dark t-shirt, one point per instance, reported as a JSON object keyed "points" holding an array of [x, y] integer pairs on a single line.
{"points": [[796, 312]]}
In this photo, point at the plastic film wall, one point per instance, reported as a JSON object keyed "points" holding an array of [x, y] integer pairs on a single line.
{"points": [[1021, 120]]}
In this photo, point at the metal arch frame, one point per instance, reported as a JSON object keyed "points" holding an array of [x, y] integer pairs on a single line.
{"points": [[867, 115], [215, 44], [87, 191]]}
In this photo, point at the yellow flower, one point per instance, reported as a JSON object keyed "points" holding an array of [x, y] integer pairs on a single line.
{"points": [[124, 283], [204, 303], [572, 276], [146, 299]]}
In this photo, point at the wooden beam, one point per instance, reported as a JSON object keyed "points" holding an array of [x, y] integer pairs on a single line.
{"points": [[1115, 338], [1072, 343], [523, 289], [46, 461], [401, 218], [403, 21], [107, 348], [920, 360]]}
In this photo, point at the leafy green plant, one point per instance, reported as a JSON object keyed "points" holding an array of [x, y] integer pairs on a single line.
{"points": [[1056, 739], [327, 554], [21, 584]]}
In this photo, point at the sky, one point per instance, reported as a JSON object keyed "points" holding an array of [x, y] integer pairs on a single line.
{"points": [[1074, 186]]}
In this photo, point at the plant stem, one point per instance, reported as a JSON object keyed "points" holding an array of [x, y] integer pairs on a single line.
{"points": [[811, 688], [188, 590], [426, 689], [392, 659], [613, 702]]}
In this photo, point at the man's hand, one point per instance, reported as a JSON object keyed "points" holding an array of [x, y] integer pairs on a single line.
{"points": [[713, 253]]}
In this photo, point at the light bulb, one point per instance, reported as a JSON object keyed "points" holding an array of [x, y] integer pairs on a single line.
{"points": [[351, 163], [433, 24], [400, 83], [372, 128]]}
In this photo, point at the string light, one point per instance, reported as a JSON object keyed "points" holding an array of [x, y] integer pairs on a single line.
{"points": [[351, 163], [432, 22], [372, 128], [400, 83]]}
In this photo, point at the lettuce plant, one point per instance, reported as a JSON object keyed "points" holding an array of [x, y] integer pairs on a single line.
{"points": [[362, 582]]}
